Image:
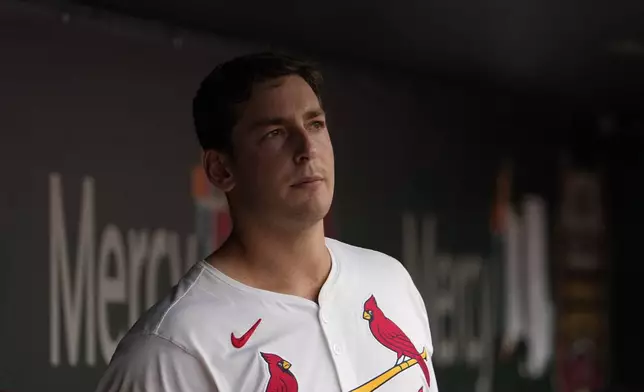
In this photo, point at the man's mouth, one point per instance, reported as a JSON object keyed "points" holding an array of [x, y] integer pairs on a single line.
{"points": [[308, 180]]}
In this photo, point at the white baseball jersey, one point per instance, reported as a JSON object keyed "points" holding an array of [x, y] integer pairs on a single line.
{"points": [[369, 330]]}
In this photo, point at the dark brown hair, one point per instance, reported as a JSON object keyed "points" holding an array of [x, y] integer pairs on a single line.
{"points": [[231, 83]]}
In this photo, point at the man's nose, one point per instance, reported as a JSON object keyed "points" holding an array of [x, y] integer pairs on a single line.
{"points": [[304, 145]]}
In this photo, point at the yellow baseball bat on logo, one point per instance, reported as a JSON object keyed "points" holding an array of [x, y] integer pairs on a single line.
{"points": [[377, 382]]}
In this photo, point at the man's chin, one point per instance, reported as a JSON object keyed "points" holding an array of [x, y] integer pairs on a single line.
{"points": [[311, 211]]}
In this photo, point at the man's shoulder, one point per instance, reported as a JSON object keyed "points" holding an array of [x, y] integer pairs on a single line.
{"points": [[191, 311]]}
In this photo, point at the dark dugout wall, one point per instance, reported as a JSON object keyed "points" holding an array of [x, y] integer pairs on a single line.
{"points": [[101, 210]]}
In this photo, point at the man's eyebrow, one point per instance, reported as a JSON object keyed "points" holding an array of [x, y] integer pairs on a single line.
{"points": [[275, 121], [313, 114], [265, 122]]}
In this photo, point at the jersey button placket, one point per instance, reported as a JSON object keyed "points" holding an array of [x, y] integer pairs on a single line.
{"points": [[335, 336]]}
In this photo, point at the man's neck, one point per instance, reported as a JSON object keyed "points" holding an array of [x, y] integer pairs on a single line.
{"points": [[295, 263]]}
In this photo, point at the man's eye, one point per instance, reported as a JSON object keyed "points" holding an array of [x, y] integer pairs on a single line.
{"points": [[273, 133], [318, 124]]}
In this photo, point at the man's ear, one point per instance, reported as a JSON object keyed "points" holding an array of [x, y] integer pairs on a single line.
{"points": [[217, 167]]}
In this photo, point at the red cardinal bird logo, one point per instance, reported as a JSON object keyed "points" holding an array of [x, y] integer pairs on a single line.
{"points": [[391, 336], [281, 378]]}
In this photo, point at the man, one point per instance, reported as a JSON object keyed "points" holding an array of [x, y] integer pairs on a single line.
{"points": [[278, 307]]}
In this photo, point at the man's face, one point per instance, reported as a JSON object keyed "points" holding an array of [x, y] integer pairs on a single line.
{"points": [[283, 165]]}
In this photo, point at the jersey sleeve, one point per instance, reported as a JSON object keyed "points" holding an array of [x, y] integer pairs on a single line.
{"points": [[152, 363], [422, 310]]}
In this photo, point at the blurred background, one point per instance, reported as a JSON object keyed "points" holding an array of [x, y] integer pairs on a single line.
{"points": [[495, 148]]}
